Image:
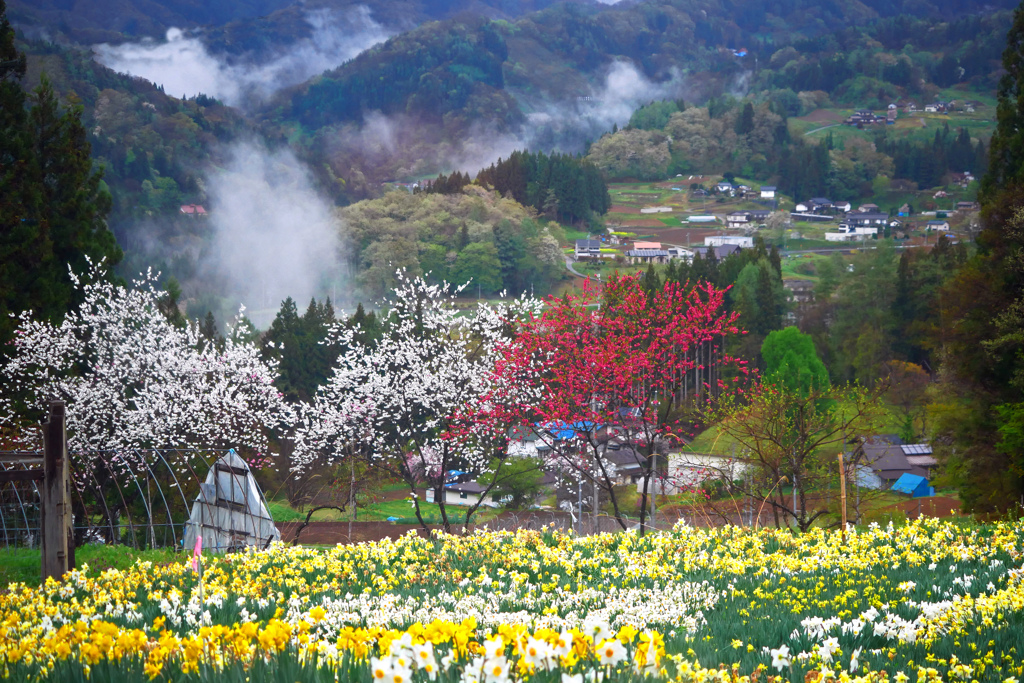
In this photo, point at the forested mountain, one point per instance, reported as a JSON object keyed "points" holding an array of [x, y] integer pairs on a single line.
{"points": [[235, 25], [153, 148], [461, 92], [754, 141], [448, 92]]}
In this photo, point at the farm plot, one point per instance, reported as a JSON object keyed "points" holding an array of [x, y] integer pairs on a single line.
{"points": [[930, 600]]}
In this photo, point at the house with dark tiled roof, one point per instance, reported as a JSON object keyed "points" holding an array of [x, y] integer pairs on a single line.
{"points": [[588, 249]]}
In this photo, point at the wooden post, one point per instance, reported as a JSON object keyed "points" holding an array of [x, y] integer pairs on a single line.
{"points": [[56, 497], [842, 493]]}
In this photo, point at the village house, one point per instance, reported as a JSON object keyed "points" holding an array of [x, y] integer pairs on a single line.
{"points": [[767, 192], [967, 206], [937, 225], [647, 252], [588, 249], [737, 219], [887, 459], [962, 179], [868, 208], [862, 220], [863, 118], [799, 291], [841, 236], [741, 241], [629, 464], [193, 210], [758, 217], [720, 253], [466, 493], [725, 186], [681, 253], [686, 470], [647, 255]]}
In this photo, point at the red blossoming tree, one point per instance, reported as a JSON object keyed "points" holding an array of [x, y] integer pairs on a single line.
{"points": [[622, 362]]}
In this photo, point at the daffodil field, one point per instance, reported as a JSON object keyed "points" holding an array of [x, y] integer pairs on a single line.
{"points": [[926, 601]]}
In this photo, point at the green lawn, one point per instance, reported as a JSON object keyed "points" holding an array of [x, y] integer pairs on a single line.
{"points": [[23, 564]]}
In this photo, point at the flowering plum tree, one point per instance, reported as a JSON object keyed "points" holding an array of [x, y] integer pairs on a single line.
{"points": [[132, 380], [623, 361], [410, 402]]}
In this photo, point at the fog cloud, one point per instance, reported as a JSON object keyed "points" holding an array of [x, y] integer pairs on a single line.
{"points": [[398, 147], [568, 125], [274, 236], [184, 66]]}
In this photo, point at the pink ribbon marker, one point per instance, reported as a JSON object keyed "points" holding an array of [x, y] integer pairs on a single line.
{"points": [[196, 552]]}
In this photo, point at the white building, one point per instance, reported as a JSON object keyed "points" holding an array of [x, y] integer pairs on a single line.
{"points": [[465, 493], [686, 470], [741, 241], [680, 253], [767, 192]]}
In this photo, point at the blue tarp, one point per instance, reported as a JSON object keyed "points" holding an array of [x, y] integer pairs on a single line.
{"points": [[913, 484], [563, 431]]}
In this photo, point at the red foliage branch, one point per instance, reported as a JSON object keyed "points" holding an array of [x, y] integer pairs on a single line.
{"points": [[620, 358]]}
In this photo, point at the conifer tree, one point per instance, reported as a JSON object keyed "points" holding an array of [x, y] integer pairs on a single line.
{"points": [[52, 206]]}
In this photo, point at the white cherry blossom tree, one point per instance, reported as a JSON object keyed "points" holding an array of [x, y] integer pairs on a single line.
{"points": [[411, 404], [132, 380]]}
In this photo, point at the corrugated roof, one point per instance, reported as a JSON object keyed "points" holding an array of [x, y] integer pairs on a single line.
{"points": [[647, 253]]}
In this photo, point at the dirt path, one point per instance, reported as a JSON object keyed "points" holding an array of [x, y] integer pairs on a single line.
{"points": [[822, 128]]}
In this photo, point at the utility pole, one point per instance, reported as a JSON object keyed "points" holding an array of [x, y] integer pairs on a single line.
{"points": [[654, 493], [842, 493], [579, 492]]}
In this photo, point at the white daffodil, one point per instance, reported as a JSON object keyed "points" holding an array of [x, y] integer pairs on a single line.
{"points": [[780, 657], [610, 652], [496, 669], [494, 648], [380, 668], [564, 644], [538, 653]]}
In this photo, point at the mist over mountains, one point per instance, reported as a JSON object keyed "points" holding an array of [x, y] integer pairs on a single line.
{"points": [[324, 102], [184, 66]]}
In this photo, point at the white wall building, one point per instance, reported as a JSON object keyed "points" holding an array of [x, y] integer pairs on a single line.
{"points": [[465, 493], [741, 241], [686, 470]]}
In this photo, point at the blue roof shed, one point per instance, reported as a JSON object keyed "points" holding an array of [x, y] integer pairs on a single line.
{"points": [[913, 484]]}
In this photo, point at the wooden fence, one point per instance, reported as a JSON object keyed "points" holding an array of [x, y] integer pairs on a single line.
{"points": [[54, 485]]}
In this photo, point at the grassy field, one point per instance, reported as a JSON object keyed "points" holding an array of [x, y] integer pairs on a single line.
{"points": [[377, 511], [23, 564]]}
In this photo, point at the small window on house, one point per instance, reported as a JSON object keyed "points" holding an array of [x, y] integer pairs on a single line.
{"points": [[463, 495]]}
